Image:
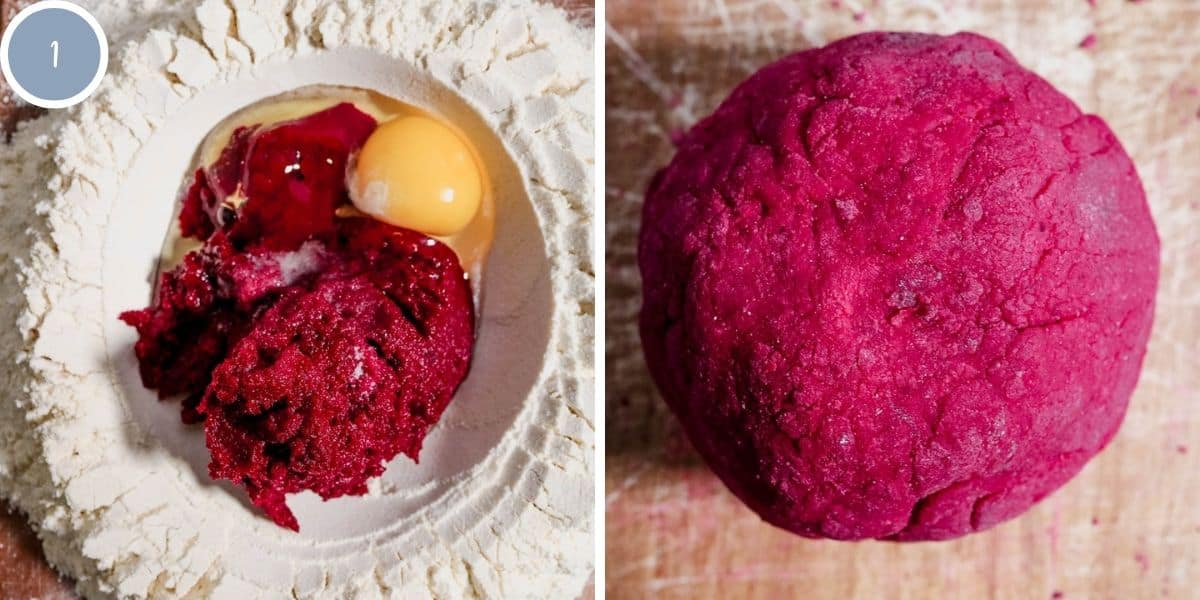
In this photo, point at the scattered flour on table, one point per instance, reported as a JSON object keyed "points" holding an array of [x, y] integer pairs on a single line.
{"points": [[126, 518]]}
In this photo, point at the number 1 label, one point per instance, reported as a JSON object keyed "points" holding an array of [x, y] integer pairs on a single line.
{"points": [[55, 81]]}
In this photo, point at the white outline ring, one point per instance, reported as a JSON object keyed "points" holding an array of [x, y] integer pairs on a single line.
{"points": [[32, 10]]}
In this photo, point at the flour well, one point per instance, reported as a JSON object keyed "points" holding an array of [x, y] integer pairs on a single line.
{"points": [[500, 504]]}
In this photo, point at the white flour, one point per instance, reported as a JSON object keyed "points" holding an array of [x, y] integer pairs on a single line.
{"points": [[501, 505]]}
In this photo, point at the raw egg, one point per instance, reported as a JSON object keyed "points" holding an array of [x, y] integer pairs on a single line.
{"points": [[417, 173]]}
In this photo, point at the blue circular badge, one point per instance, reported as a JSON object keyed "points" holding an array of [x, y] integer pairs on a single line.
{"points": [[54, 54]]}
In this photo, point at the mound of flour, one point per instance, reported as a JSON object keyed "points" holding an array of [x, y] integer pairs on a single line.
{"points": [[125, 517]]}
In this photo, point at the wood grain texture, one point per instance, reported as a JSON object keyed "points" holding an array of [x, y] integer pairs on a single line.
{"points": [[24, 572], [11, 111], [1127, 527]]}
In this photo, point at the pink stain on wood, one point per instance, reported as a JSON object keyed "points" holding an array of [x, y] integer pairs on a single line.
{"points": [[1142, 560]]}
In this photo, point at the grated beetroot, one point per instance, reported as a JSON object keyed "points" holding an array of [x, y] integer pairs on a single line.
{"points": [[343, 374], [313, 348], [204, 305]]}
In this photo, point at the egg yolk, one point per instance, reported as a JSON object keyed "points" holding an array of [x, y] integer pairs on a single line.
{"points": [[417, 173]]}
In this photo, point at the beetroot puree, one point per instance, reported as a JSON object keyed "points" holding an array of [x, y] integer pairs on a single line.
{"points": [[314, 349]]}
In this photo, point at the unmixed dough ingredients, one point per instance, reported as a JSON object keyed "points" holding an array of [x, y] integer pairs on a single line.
{"points": [[123, 513], [897, 287], [313, 347]]}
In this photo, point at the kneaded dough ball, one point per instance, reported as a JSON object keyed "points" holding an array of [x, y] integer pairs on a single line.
{"points": [[897, 287]]}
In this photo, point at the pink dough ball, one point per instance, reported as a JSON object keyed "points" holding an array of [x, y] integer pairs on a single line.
{"points": [[897, 287]]}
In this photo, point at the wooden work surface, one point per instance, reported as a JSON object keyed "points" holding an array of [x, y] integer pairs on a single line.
{"points": [[1127, 528], [24, 573]]}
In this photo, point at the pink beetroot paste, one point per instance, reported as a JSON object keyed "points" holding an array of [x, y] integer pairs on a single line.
{"points": [[897, 287], [313, 348]]}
